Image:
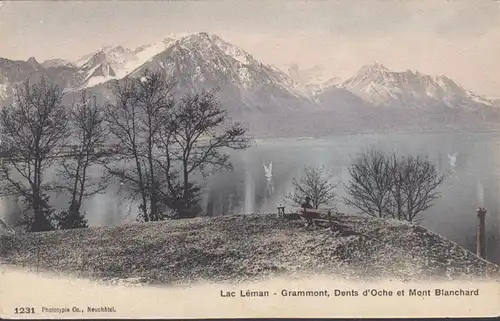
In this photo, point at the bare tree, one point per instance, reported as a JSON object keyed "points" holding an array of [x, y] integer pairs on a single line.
{"points": [[142, 107], [161, 143], [316, 184], [201, 132], [384, 185], [372, 179], [35, 127], [415, 185], [85, 151]]}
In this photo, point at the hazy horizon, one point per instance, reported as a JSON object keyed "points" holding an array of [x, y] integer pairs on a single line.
{"points": [[458, 39]]}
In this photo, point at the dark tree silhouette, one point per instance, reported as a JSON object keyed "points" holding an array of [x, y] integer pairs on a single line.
{"points": [[135, 120], [317, 184], [85, 151], [200, 131], [384, 185], [35, 128], [415, 183], [372, 179]]}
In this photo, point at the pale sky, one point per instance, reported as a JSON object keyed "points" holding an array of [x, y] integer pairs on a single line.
{"points": [[460, 39]]}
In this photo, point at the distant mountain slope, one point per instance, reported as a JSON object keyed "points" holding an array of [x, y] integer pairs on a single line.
{"points": [[14, 72], [248, 247], [340, 99], [203, 61], [378, 99], [381, 87]]}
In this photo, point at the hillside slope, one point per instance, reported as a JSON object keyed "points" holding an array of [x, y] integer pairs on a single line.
{"points": [[243, 248]]}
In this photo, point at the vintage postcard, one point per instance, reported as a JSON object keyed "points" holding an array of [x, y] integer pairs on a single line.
{"points": [[249, 159]]}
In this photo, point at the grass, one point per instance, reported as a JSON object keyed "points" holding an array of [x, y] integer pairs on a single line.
{"points": [[245, 248]]}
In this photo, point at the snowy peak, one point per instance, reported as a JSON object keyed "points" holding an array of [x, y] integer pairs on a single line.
{"points": [[116, 57], [205, 61], [55, 63], [96, 59], [116, 62], [210, 42], [238, 64], [380, 86], [205, 51], [98, 66], [105, 64], [374, 73], [197, 40]]}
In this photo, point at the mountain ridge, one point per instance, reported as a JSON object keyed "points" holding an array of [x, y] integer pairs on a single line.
{"points": [[378, 85], [203, 61], [251, 89]]}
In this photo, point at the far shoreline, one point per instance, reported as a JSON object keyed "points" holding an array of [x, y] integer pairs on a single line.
{"points": [[375, 133]]}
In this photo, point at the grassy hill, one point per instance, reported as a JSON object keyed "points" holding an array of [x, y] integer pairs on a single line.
{"points": [[246, 247]]}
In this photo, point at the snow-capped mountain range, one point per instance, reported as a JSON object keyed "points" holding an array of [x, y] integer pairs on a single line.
{"points": [[105, 64], [381, 87], [203, 61], [247, 86]]}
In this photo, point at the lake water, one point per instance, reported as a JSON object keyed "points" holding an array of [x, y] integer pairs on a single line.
{"points": [[473, 180]]}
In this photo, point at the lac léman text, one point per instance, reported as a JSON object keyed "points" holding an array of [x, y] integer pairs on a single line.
{"points": [[342, 293]]}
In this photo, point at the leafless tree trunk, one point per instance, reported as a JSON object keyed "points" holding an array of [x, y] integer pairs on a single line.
{"points": [[157, 103], [396, 209], [86, 150], [135, 121], [317, 185], [35, 128], [417, 180], [200, 134], [372, 180]]}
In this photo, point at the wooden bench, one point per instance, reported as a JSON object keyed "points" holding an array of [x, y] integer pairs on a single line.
{"points": [[315, 216]]}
